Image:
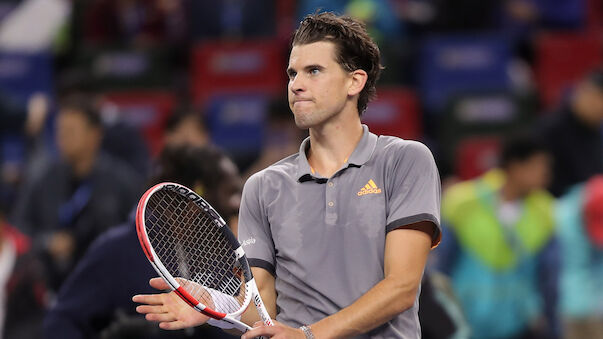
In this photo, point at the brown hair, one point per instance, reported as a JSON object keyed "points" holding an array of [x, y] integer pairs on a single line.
{"points": [[354, 47]]}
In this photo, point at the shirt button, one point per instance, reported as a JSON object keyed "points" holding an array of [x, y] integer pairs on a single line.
{"points": [[331, 204], [331, 184]]}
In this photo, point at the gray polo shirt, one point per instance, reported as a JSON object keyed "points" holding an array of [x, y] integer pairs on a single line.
{"points": [[324, 238]]}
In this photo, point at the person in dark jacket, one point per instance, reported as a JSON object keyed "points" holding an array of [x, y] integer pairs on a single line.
{"points": [[78, 196], [574, 135], [96, 299]]}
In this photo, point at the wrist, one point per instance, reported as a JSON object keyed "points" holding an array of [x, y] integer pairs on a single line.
{"points": [[307, 332]]}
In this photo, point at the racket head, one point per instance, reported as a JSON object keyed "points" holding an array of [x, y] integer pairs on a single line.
{"points": [[193, 250]]}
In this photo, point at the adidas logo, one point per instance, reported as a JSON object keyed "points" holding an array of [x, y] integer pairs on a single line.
{"points": [[369, 188]]}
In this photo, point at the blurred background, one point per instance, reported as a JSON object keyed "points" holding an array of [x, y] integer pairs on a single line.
{"points": [[98, 88]]}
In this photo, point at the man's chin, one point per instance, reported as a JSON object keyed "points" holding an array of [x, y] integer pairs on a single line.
{"points": [[303, 125], [303, 122]]}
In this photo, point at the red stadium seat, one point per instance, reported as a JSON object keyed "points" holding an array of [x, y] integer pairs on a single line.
{"points": [[562, 59], [146, 110], [595, 15], [394, 112], [253, 66], [476, 155]]}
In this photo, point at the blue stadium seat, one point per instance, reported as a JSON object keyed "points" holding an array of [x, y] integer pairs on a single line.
{"points": [[22, 74], [236, 123], [451, 64], [562, 13]]}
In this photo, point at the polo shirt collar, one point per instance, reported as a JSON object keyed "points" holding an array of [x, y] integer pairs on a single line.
{"points": [[362, 153]]}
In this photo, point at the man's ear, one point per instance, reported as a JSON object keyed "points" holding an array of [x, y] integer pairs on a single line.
{"points": [[357, 83]]}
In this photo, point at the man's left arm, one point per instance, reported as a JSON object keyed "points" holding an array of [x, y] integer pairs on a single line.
{"points": [[406, 251]]}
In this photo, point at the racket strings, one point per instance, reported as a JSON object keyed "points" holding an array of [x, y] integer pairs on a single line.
{"points": [[192, 248]]}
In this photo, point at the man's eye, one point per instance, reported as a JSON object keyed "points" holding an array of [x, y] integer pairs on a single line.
{"points": [[314, 71]]}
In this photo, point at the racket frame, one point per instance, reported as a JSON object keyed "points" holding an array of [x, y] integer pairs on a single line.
{"points": [[250, 285]]}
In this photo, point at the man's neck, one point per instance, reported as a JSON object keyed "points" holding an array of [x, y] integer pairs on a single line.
{"points": [[332, 144]]}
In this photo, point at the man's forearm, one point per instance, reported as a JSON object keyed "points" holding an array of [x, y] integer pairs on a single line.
{"points": [[406, 252], [377, 306]]}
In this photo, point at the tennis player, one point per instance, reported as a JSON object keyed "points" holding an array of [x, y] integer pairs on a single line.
{"points": [[338, 234]]}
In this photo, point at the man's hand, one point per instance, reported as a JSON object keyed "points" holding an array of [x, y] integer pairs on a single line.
{"points": [[278, 331], [168, 309]]}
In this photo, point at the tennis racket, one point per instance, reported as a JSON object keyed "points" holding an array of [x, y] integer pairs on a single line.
{"points": [[193, 250]]}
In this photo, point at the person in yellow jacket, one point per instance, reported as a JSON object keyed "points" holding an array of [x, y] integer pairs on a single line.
{"points": [[500, 227]]}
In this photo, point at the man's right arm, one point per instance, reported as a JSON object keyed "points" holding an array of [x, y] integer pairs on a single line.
{"points": [[265, 281]]}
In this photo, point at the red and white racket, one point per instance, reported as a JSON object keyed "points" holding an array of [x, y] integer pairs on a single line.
{"points": [[193, 250]]}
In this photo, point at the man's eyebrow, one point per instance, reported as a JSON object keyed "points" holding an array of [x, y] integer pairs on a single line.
{"points": [[292, 70]]}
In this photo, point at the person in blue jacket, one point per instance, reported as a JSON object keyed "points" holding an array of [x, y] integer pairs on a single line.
{"points": [[580, 230], [96, 299]]}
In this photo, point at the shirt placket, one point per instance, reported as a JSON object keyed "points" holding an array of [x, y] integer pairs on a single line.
{"points": [[331, 201]]}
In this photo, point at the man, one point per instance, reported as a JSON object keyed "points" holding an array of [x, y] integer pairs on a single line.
{"points": [[89, 305], [574, 135], [186, 127], [78, 196], [501, 228], [338, 234]]}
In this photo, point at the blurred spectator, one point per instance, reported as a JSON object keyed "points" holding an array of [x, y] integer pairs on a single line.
{"points": [[185, 128], [136, 22], [380, 16], [500, 229], [124, 141], [88, 303], [78, 196], [580, 231], [22, 285], [574, 135], [25, 123], [281, 137]]}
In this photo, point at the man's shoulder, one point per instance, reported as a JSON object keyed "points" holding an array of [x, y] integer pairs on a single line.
{"points": [[390, 143], [402, 151], [284, 167]]}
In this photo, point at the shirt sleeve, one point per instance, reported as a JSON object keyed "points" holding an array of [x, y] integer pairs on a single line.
{"points": [[413, 189], [254, 227]]}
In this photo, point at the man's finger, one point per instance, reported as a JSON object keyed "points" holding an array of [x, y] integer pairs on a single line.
{"points": [[159, 283], [160, 317], [149, 299], [145, 309], [259, 331], [172, 325]]}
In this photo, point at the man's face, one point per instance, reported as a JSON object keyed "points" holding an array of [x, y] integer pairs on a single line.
{"points": [[533, 173], [188, 132], [228, 194], [75, 136], [589, 102], [318, 85]]}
